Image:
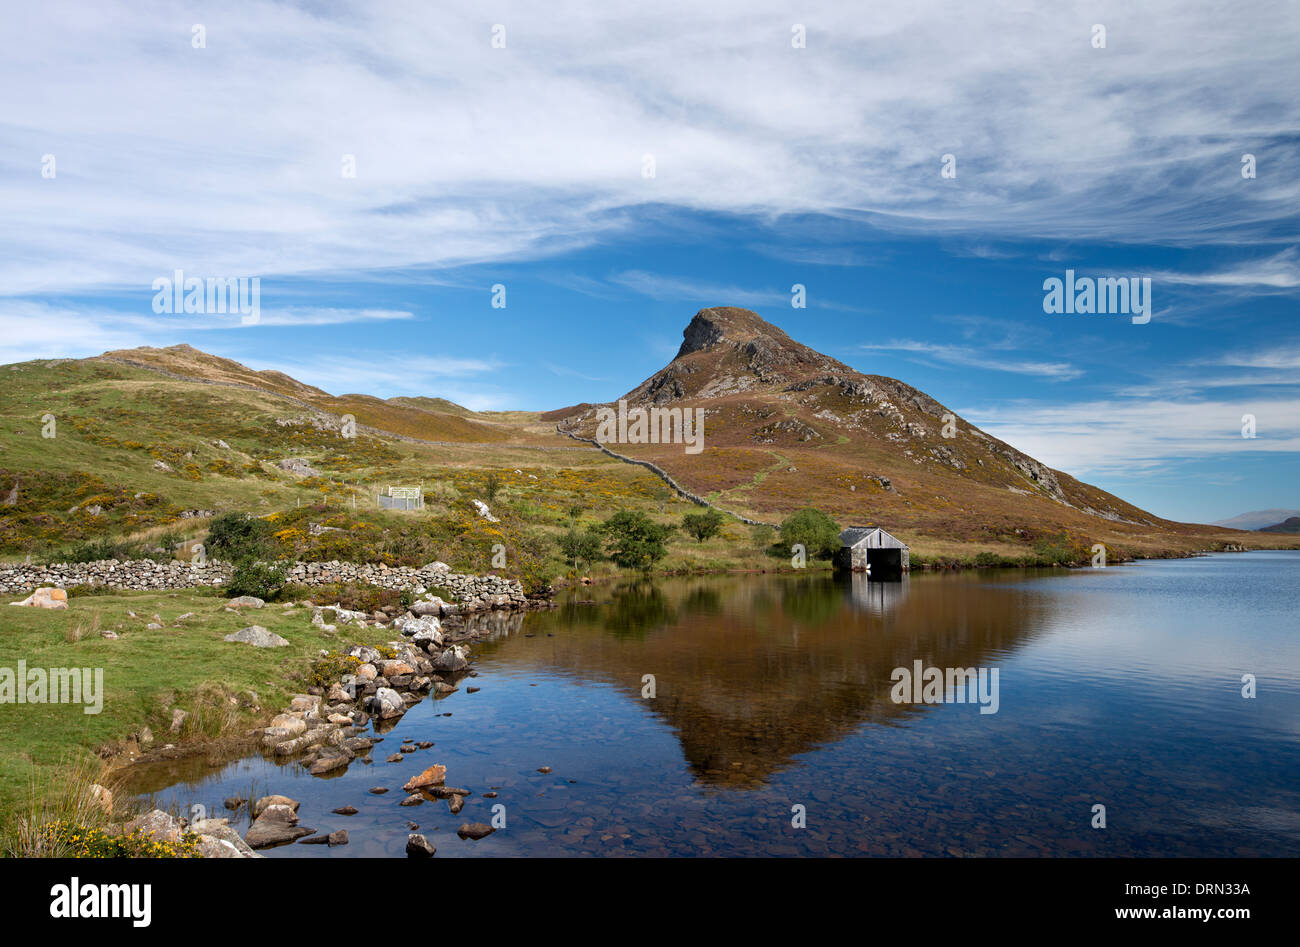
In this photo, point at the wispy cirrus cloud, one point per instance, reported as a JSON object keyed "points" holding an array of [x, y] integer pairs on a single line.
{"points": [[33, 329], [474, 379], [228, 159], [970, 357], [1280, 271], [1124, 436]]}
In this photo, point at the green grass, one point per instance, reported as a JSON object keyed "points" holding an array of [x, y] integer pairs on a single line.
{"points": [[146, 673]]}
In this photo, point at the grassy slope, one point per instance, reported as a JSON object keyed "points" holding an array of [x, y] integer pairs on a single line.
{"points": [[147, 672]]}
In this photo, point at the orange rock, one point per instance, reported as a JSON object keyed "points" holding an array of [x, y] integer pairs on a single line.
{"points": [[433, 776]]}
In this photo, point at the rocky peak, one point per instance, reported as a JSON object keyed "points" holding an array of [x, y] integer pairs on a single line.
{"points": [[730, 326], [723, 330]]}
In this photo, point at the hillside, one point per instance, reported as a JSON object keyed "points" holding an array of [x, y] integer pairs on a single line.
{"points": [[1289, 525], [788, 427], [143, 437]]}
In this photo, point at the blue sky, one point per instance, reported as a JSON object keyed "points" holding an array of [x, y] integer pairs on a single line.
{"points": [[773, 165]]}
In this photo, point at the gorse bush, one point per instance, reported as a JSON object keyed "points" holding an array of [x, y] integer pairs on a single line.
{"points": [[78, 841]]}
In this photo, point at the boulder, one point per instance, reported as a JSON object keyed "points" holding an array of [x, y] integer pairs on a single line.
{"points": [[245, 601], [328, 764], [267, 801], [430, 608], [258, 637], [475, 830], [288, 726], [156, 823], [45, 598], [386, 703], [453, 659], [417, 846], [274, 828], [220, 830]]}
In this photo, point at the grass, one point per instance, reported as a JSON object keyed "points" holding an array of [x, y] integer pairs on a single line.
{"points": [[146, 672]]}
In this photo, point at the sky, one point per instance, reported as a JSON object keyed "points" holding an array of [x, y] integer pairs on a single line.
{"points": [[920, 169]]}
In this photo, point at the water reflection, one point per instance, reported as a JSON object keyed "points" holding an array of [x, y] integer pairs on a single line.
{"points": [[750, 675], [878, 597], [1119, 686]]}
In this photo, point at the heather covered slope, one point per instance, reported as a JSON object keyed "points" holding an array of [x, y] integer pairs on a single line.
{"points": [[431, 419], [146, 434], [788, 427]]}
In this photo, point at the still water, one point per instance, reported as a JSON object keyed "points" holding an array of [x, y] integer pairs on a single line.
{"points": [[1118, 687]]}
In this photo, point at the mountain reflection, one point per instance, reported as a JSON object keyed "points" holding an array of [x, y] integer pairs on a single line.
{"points": [[751, 673]]}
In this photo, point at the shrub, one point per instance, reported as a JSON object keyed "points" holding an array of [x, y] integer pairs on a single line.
{"points": [[703, 525], [819, 534], [635, 541], [528, 560], [255, 577], [235, 536], [93, 551], [78, 841], [762, 536]]}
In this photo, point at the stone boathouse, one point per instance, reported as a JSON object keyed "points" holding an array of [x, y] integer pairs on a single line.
{"points": [[871, 549]]}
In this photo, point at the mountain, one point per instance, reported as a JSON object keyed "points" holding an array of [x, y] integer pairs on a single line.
{"points": [[147, 436], [788, 427], [1257, 519], [1289, 525]]}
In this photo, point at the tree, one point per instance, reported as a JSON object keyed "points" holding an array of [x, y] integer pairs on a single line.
{"points": [[634, 540], [582, 546], [762, 536], [703, 525], [817, 532]]}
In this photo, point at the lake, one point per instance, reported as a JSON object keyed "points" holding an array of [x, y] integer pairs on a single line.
{"points": [[773, 704]]}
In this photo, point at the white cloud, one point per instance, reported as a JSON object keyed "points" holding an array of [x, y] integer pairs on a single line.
{"points": [[30, 329], [1123, 436], [228, 159], [970, 357], [1278, 272]]}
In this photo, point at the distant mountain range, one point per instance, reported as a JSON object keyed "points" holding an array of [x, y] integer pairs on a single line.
{"points": [[1289, 525], [1259, 520]]}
